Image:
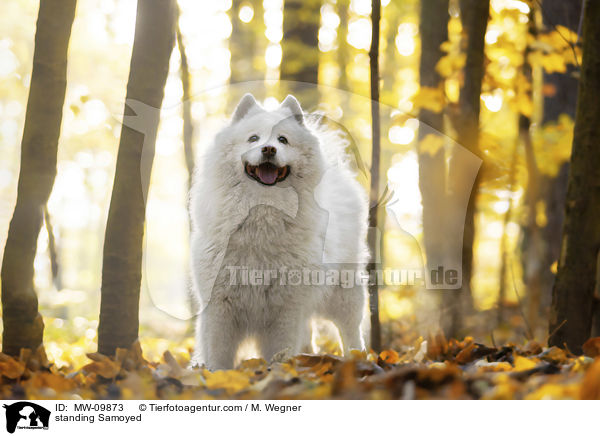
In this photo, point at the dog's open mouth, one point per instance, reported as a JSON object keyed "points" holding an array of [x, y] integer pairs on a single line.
{"points": [[267, 173]]}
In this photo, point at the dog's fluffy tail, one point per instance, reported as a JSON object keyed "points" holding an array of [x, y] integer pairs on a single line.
{"points": [[339, 147]]}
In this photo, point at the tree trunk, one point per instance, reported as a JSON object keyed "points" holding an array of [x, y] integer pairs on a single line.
{"points": [[572, 296], [534, 248], [432, 168], [188, 125], [343, 49], [394, 12], [560, 97], [300, 46], [474, 17], [121, 271], [244, 43], [374, 191], [504, 257], [23, 325]]}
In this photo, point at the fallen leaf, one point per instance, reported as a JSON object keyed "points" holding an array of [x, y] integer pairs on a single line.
{"points": [[437, 346], [103, 366], [389, 356], [592, 347], [590, 387], [523, 363], [12, 368]]}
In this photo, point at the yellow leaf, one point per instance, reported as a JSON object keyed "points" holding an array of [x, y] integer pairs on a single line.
{"points": [[431, 144], [555, 354], [570, 57], [429, 98], [553, 392], [452, 88], [554, 63], [581, 364], [504, 390], [450, 63], [498, 367], [254, 364], [444, 66], [536, 58], [525, 104], [541, 218], [523, 363], [454, 25], [288, 368], [446, 46], [566, 33], [232, 381], [358, 354]]}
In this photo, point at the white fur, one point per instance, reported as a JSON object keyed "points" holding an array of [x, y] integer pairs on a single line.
{"points": [[315, 217]]}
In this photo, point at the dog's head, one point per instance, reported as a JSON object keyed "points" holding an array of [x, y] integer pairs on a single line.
{"points": [[268, 148]]}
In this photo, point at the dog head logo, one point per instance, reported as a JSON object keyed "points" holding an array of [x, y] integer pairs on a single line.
{"points": [[26, 415]]}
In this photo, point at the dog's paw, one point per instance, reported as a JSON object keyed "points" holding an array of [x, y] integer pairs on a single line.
{"points": [[195, 364]]}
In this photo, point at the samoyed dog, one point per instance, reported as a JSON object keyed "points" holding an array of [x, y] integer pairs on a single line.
{"points": [[278, 221]]}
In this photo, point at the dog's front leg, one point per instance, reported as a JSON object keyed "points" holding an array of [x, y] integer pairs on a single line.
{"points": [[284, 333], [218, 335]]}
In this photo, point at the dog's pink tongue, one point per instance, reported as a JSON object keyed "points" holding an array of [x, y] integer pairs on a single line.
{"points": [[267, 174]]}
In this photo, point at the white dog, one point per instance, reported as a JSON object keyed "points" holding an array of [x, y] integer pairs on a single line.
{"points": [[276, 212]]}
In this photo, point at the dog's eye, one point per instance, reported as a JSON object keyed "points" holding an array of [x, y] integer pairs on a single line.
{"points": [[282, 139], [253, 138]]}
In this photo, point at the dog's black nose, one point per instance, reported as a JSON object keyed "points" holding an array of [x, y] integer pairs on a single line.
{"points": [[269, 151]]}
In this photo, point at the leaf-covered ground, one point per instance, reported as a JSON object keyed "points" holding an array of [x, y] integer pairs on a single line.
{"points": [[428, 369]]}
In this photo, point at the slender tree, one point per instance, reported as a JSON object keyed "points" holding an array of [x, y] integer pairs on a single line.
{"points": [[23, 325], [532, 255], [504, 255], [474, 17], [374, 190], [246, 42], [524, 138], [300, 47], [572, 297], [560, 97], [394, 13], [343, 49], [433, 29], [121, 270], [186, 104]]}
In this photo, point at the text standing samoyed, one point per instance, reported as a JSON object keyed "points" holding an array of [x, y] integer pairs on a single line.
{"points": [[276, 214]]}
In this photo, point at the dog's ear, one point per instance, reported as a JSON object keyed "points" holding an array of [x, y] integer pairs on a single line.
{"points": [[246, 104], [293, 105]]}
